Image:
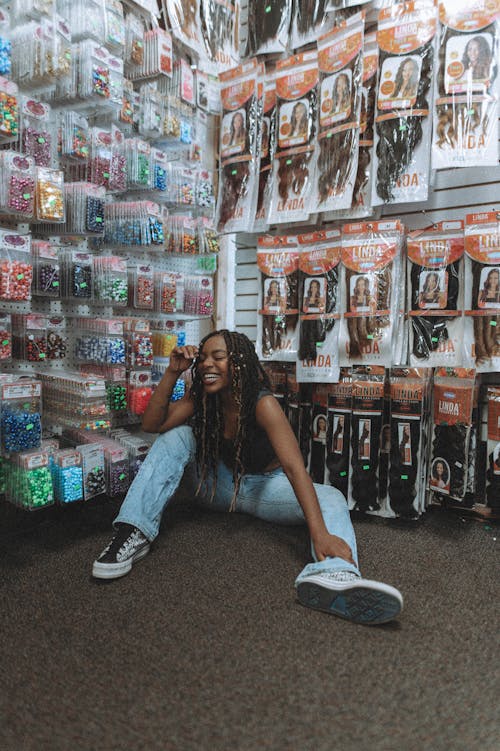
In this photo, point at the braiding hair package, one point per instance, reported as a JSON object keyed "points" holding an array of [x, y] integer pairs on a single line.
{"points": [[435, 294], [264, 26], [453, 397], [493, 449], [267, 150], [372, 293], [218, 27], [482, 291], [407, 486], [242, 100], [466, 99], [366, 427], [310, 19], [339, 432], [319, 426], [318, 297], [294, 166], [277, 329], [340, 63], [406, 37], [184, 20]]}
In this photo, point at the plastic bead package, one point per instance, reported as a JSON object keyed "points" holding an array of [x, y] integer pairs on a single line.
{"points": [[372, 293], [111, 280], [49, 195], [482, 291], [406, 38], [5, 338], [76, 400], [20, 415], [466, 98], [29, 337], [16, 267], [17, 187], [29, 481], [37, 132], [9, 111], [318, 295], [242, 101], [67, 476], [435, 295], [100, 341], [340, 64], [277, 323]]}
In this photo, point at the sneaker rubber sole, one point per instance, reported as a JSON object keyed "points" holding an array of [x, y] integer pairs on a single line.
{"points": [[115, 570], [364, 601]]}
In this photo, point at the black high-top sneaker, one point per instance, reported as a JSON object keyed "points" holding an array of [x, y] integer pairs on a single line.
{"points": [[127, 546]]}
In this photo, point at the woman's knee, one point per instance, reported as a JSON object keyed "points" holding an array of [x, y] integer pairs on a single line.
{"points": [[178, 442], [330, 497]]}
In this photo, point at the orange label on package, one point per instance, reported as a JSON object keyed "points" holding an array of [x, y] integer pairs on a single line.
{"points": [[369, 255], [435, 252], [370, 65], [278, 264], [494, 414], [277, 241], [452, 404], [236, 95], [319, 261], [406, 26], [296, 76], [341, 49], [476, 16]]}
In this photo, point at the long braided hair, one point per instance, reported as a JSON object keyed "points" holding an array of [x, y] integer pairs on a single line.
{"points": [[247, 379]]}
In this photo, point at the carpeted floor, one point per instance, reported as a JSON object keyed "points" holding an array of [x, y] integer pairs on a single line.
{"points": [[203, 647]]}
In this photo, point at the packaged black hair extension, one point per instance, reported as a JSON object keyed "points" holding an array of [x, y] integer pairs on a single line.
{"points": [[218, 30], [264, 26], [339, 432], [318, 356], [493, 450], [294, 165], [319, 418], [406, 38], [406, 491], [292, 398], [340, 63], [385, 446], [277, 330], [453, 402], [366, 427], [310, 19], [305, 420], [435, 294], [267, 149], [466, 98], [372, 292], [241, 94], [482, 291]]}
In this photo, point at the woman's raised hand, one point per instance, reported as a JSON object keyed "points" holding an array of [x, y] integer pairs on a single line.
{"points": [[181, 358]]}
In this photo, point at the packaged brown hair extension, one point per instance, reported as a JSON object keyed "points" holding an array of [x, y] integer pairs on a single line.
{"points": [[264, 26], [406, 38], [366, 428], [452, 414], [184, 19], [492, 494], [277, 329], [372, 289], [435, 294], [310, 19], [339, 432], [218, 24], [267, 149], [294, 163], [319, 259], [241, 94], [340, 63], [482, 291], [466, 103]]}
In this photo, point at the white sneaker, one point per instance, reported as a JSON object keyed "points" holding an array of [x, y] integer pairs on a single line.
{"points": [[349, 596]]}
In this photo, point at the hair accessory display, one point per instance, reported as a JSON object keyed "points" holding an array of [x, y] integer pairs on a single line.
{"points": [[466, 107], [435, 294], [16, 268], [20, 415], [406, 38]]}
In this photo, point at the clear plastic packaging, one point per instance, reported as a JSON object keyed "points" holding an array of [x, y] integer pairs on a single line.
{"points": [[141, 286], [9, 111], [5, 338], [20, 415], [29, 337], [78, 275], [310, 20], [264, 29], [100, 341], [111, 281], [218, 30], [17, 187], [67, 476], [38, 132], [198, 298], [29, 484], [268, 140], [16, 269], [49, 195], [165, 291], [75, 400]]}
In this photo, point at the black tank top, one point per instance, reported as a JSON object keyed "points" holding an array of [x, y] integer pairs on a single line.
{"points": [[257, 456]]}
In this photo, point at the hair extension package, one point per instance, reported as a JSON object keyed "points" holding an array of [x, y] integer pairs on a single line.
{"points": [[466, 98], [372, 293], [406, 38], [454, 397], [366, 427], [493, 450], [310, 19], [435, 294], [482, 291], [340, 63], [184, 19], [293, 196], [242, 95], [218, 29], [339, 432], [317, 458], [264, 26], [319, 260], [277, 329], [407, 457], [267, 149]]}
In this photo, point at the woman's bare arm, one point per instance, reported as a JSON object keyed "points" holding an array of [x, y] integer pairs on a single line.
{"points": [[160, 415]]}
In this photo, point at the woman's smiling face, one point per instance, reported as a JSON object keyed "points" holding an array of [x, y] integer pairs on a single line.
{"points": [[213, 365]]}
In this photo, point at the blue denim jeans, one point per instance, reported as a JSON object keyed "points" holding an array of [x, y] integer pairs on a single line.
{"points": [[268, 495]]}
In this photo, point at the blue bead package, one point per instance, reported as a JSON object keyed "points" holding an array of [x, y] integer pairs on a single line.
{"points": [[20, 416]]}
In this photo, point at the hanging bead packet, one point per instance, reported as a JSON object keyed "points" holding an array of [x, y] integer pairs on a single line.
{"points": [[20, 415], [340, 63], [29, 482], [318, 356], [466, 102], [49, 201], [435, 294], [9, 111], [29, 337], [111, 280], [46, 269], [93, 468], [57, 340], [482, 291], [406, 37], [37, 132], [16, 269], [78, 275], [293, 194], [17, 186], [67, 476], [5, 337], [277, 323]]}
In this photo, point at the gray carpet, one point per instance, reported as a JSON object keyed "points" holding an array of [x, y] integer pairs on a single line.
{"points": [[203, 647]]}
